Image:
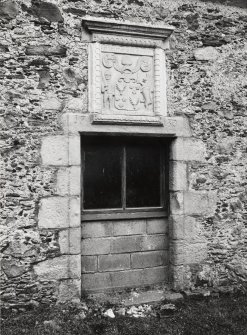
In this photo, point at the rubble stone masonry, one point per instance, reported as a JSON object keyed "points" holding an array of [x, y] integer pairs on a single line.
{"points": [[44, 83]]}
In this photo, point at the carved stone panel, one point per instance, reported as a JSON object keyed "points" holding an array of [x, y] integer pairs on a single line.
{"points": [[127, 73]]}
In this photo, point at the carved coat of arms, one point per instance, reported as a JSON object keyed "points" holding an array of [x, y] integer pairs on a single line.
{"points": [[127, 82]]}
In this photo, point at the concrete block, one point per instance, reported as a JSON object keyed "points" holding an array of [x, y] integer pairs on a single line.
{"points": [[96, 246], [74, 212], [96, 229], [114, 262], [95, 282], [176, 227], [69, 289], [54, 213], [139, 277], [126, 244], [149, 259], [54, 151], [176, 203], [89, 264], [154, 242], [126, 227], [63, 267], [69, 181], [187, 149], [157, 226], [176, 252], [178, 180], [200, 203], [70, 241], [128, 278], [74, 154]]}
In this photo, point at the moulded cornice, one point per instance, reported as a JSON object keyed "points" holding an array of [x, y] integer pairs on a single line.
{"points": [[115, 27]]}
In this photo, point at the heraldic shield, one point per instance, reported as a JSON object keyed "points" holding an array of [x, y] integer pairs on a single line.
{"points": [[127, 83]]}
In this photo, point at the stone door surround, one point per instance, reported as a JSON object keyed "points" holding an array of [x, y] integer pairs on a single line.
{"points": [[62, 211]]}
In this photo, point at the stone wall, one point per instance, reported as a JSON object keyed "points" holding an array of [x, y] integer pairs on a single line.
{"points": [[44, 75]]}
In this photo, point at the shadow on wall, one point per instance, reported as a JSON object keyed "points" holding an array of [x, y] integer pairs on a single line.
{"points": [[236, 3]]}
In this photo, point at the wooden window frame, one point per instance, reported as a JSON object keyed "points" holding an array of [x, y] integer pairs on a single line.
{"points": [[139, 212]]}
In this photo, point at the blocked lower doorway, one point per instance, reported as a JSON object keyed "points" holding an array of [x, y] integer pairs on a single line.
{"points": [[124, 212]]}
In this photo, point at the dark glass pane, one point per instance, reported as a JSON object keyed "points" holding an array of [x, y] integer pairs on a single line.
{"points": [[143, 175], [102, 176]]}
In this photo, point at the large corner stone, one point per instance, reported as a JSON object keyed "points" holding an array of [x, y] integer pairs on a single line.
{"points": [[187, 149], [69, 289], [59, 212], [68, 181], [200, 203], [54, 212], [176, 203], [63, 267], [176, 227], [54, 150], [178, 179], [70, 241]]}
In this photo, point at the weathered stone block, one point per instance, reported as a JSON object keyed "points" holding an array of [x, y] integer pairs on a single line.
{"points": [[88, 264], [74, 150], [176, 203], [74, 212], [69, 289], [176, 227], [54, 212], [46, 50], [195, 253], [176, 277], [176, 252], [70, 241], [114, 262], [193, 230], [206, 54], [198, 203], [51, 103], [68, 181], [8, 9], [96, 229], [96, 246], [187, 149], [63, 267], [54, 150], [126, 227], [157, 226], [148, 259], [178, 180]]}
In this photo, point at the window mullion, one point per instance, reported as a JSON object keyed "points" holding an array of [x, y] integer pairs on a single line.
{"points": [[124, 177]]}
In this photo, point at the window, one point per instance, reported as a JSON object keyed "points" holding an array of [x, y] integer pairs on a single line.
{"points": [[123, 176]]}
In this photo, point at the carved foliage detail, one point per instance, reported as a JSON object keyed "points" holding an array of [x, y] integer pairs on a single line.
{"points": [[127, 83]]}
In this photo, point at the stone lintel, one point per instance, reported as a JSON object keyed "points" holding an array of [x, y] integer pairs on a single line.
{"points": [[172, 126]]}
